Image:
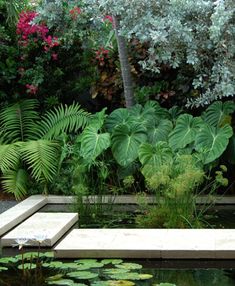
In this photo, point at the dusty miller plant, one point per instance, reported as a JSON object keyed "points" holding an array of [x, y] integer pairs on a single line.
{"points": [[183, 32]]}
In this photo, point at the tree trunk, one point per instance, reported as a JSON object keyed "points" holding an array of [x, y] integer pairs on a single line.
{"points": [[125, 66]]}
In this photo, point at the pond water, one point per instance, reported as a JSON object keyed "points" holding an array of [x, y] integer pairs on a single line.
{"points": [[176, 272]]}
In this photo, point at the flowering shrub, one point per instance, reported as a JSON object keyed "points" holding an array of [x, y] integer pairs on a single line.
{"points": [[101, 55]]}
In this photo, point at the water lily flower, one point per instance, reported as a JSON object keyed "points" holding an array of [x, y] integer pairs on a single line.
{"points": [[20, 242], [40, 237]]}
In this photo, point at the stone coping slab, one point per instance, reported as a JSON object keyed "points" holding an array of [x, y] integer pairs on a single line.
{"points": [[148, 243], [48, 227], [24, 209], [20, 212]]}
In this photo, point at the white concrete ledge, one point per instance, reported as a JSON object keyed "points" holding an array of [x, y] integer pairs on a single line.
{"points": [[20, 212], [133, 199], [148, 243], [48, 226]]}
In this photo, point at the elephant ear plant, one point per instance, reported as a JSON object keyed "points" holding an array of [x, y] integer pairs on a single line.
{"points": [[30, 145]]}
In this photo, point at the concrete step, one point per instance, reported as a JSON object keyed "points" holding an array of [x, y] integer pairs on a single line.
{"points": [[20, 212], [49, 227], [148, 243]]}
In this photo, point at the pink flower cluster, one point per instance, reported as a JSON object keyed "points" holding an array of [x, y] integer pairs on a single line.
{"points": [[101, 55], [75, 12], [32, 89], [27, 30]]}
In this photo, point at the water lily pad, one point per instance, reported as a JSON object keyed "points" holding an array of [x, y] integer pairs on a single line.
{"points": [[3, 268], [6, 260], [90, 265], [130, 266], [68, 282], [165, 284], [71, 265], [85, 260], [82, 275], [131, 276], [30, 255], [48, 254], [55, 277], [113, 283], [27, 266], [54, 264], [115, 270], [111, 261]]}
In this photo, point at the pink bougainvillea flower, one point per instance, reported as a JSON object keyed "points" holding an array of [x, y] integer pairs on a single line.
{"points": [[75, 12], [108, 18], [54, 56]]}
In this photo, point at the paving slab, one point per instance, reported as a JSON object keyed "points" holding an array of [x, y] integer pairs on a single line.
{"points": [[148, 243], [49, 227], [20, 212]]}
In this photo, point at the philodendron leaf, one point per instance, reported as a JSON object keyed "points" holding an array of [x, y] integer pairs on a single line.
{"points": [[213, 141], [126, 140], [117, 117], [159, 131], [218, 111], [153, 156], [185, 131], [93, 143]]}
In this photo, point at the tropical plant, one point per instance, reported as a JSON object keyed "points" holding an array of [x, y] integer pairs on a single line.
{"points": [[30, 143], [144, 137]]}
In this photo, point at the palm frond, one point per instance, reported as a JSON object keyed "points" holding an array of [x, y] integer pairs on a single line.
{"points": [[9, 157], [62, 119], [18, 121], [15, 182], [42, 157]]}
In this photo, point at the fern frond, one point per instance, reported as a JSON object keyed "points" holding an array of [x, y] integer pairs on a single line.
{"points": [[9, 157], [18, 121], [42, 158], [15, 182], [62, 119]]}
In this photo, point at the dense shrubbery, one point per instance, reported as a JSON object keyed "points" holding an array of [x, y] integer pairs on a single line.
{"points": [[61, 52]]}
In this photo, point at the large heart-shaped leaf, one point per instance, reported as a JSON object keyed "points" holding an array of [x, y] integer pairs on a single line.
{"points": [[159, 131], [126, 140], [153, 157], [213, 141], [217, 111], [93, 143], [117, 117], [185, 131]]}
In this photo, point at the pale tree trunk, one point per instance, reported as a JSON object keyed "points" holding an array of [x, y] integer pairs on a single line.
{"points": [[125, 66]]}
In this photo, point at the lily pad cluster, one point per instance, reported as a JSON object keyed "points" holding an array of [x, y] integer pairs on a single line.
{"points": [[80, 272]]}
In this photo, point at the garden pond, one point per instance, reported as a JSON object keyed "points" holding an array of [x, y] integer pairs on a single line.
{"points": [[39, 268]]}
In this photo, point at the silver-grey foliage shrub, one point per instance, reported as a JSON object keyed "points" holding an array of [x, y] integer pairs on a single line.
{"points": [[198, 33]]}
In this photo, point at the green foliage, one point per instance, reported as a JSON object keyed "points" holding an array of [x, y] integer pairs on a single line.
{"points": [[18, 120], [213, 141], [126, 141], [185, 131], [28, 146], [183, 34]]}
